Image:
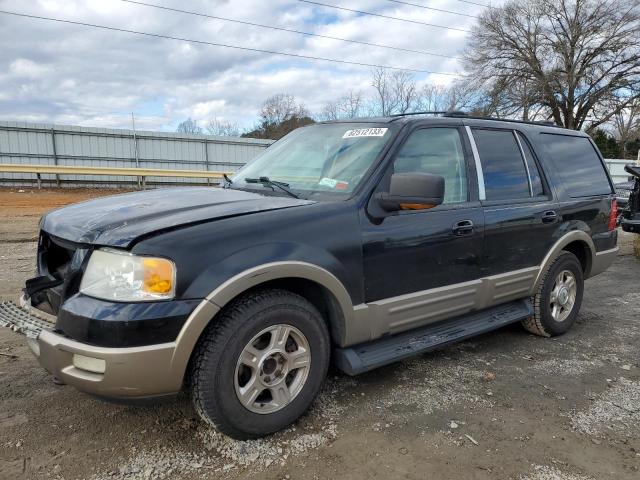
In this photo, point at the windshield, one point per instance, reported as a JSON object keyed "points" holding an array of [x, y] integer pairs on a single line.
{"points": [[326, 158]]}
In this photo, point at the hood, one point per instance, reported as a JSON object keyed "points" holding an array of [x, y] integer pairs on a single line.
{"points": [[120, 219]]}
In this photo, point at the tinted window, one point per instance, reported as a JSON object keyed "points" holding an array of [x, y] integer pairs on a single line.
{"points": [[534, 173], [577, 164], [504, 172], [438, 151]]}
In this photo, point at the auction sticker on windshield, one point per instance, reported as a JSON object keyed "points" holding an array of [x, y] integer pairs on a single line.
{"points": [[365, 132], [333, 183]]}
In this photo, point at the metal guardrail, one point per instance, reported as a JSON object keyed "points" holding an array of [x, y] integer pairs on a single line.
{"points": [[142, 173], [61, 145]]}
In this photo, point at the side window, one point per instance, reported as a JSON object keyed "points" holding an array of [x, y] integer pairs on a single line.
{"points": [[534, 173], [577, 164], [505, 174], [438, 151]]}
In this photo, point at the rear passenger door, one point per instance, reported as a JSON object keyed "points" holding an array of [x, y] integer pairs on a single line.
{"points": [[520, 213]]}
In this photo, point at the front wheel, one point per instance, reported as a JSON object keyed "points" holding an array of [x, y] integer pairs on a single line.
{"points": [[261, 364], [559, 296]]}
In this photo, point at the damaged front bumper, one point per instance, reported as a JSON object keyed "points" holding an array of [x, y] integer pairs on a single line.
{"points": [[119, 373]]}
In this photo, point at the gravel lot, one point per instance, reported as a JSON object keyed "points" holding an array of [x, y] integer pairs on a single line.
{"points": [[506, 405]]}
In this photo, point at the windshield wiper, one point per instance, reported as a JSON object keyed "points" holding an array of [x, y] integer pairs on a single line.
{"points": [[266, 181], [228, 181]]}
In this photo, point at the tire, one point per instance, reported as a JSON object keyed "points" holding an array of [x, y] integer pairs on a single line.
{"points": [[550, 316], [249, 326]]}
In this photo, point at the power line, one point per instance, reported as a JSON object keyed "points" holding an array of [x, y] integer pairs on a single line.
{"points": [[236, 47], [282, 29], [432, 8], [383, 16], [476, 3]]}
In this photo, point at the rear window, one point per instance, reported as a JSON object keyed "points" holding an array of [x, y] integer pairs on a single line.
{"points": [[577, 164]]}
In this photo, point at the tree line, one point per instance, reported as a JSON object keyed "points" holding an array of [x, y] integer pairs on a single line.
{"points": [[573, 62]]}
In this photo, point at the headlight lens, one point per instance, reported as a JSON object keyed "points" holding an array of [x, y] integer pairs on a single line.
{"points": [[124, 277]]}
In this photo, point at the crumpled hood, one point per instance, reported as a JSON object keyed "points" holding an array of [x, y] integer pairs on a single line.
{"points": [[120, 219]]}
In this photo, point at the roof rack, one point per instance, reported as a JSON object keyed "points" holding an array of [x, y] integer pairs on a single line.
{"points": [[431, 112], [461, 114], [494, 119]]}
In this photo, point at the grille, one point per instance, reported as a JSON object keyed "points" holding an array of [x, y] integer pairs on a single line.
{"points": [[21, 321], [60, 260]]}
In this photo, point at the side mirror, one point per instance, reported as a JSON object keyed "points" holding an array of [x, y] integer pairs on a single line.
{"points": [[412, 191]]}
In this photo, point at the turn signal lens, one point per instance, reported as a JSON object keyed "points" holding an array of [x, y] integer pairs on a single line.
{"points": [[158, 275], [415, 206]]}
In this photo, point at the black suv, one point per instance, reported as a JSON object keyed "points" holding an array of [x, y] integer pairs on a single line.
{"points": [[362, 242]]}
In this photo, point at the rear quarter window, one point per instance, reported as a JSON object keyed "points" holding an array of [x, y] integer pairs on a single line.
{"points": [[577, 164]]}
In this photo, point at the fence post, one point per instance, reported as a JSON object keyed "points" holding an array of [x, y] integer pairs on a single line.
{"points": [[55, 157], [206, 160], [135, 149]]}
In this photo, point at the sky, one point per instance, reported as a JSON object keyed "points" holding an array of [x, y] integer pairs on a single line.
{"points": [[76, 75]]}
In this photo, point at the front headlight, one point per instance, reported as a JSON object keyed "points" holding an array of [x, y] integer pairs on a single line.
{"points": [[125, 277]]}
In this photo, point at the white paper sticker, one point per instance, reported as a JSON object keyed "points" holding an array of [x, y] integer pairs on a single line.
{"points": [[365, 132], [328, 182], [333, 183]]}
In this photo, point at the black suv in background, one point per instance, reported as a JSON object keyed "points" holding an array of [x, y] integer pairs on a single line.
{"points": [[362, 242]]}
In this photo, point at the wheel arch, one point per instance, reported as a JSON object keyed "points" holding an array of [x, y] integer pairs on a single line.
{"points": [[319, 286], [577, 242]]}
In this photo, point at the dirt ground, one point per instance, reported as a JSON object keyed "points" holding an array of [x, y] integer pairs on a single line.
{"points": [[506, 405]]}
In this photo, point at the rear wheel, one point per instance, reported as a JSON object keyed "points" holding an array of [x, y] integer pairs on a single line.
{"points": [[259, 367], [559, 296]]}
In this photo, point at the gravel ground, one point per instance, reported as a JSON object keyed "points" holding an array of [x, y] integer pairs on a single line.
{"points": [[506, 405]]}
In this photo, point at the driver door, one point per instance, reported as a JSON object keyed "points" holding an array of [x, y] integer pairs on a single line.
{"points": [[417, 262]]}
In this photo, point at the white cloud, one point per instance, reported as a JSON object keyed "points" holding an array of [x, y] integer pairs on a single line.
{"points": [[72, 74], [23, 67]]}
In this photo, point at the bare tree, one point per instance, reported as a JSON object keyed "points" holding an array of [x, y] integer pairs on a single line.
{"points": [[626, 127], [396, 91], [347, 106], [381, 82], [443, 98], [404, 89], [562, 58], [281, 107], [189, 126], [280, 114], [223, 128]]}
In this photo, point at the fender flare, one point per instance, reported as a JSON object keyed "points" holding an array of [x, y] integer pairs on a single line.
{"points": [[570, 237], [236, 285]]}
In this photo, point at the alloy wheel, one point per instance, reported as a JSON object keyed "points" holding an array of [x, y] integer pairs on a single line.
{"points": [[563, 295], [272, 369]]}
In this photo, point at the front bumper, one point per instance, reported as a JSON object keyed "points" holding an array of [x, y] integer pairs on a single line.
{"points": [[132, 372]]}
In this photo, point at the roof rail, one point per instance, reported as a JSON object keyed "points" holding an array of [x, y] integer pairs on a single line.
{"points": [[456, 114], [432, 112], [459, 114]]}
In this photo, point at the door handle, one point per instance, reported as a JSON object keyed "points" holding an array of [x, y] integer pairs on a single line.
{"points": [[463, 227], [549, 216]]}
